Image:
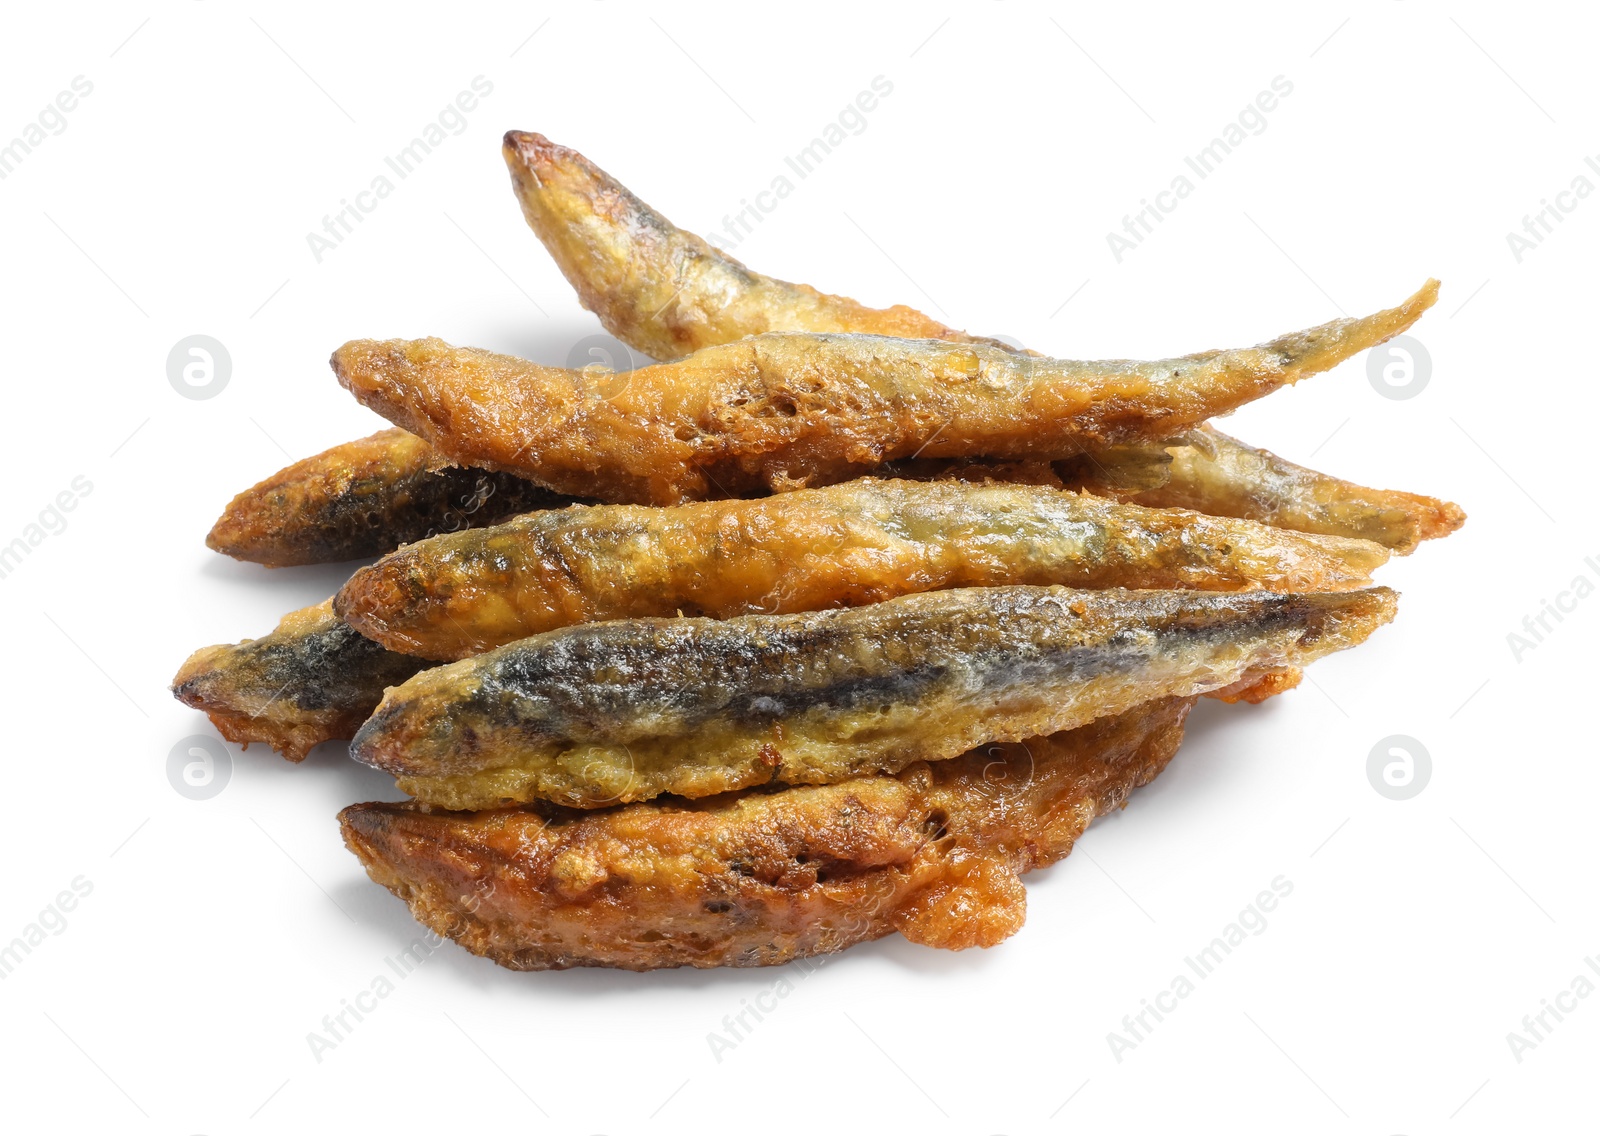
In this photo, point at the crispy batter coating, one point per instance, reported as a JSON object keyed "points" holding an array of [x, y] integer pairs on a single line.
{"points": [[845, 545], [666, 292], [364, 498], [776, 412], [1227, 478], [626, 710], [310, 680], [663, 290], [760, 878]]}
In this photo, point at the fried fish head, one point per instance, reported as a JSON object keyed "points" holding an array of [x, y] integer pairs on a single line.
{"points": [[311, 680], [663, 290]]}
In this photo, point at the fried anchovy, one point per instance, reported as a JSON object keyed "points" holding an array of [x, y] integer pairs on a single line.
{"points": [[623, 711], [761, 878], [310, 680], [775, 412], [458, 595], [364, 498], [1228, 478], [661, 289], [667, 292]]}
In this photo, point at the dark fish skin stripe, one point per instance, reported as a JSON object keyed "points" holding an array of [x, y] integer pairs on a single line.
{"points": [[376, 517], [312, 679], [603, 672], [697, 706], [364, 498], [332, 669]]}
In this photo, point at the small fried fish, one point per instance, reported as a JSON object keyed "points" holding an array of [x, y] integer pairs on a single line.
{"points": [[762, 878], [453, 596], [661, 289], [364, 498], [1227, 478], [602, 713], [787, 411], [310, 680], [667, 292]]}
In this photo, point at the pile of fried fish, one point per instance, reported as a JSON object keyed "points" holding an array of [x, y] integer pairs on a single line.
{"points": [[832, 624]]}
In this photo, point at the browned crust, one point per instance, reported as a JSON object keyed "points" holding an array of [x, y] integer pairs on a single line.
{"points": [[667, 292], [631, 709], [661, 289], [1229, 478], [778, 412], [844, 545], [364, 498], [761, 878], [1257, 688]]}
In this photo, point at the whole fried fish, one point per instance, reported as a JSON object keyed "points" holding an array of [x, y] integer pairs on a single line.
{"points": [[310, 680], [364, 498], [623, 711], [663, 290], [845, 545], [667, 292], [761, 878], [1228, 478], [776, 412]]}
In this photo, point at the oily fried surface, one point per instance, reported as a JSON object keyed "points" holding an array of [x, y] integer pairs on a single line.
{"points": [[845, 545], [626, 710], [668, 293], [364, 498], [310, 680], [1257, 687], [1228, 478], [777, 412], [1208, 471], [760, 878], [660, 289]]}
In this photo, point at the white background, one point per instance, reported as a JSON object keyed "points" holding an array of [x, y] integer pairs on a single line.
{"points": [[218, 933]]}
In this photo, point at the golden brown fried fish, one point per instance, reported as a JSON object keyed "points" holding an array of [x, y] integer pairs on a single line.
{"points": [[310, 680], [1227, 478], [846, 545], [760, 878], [663, 290], [775, 412], [365, 498], [624, 711], [666, 292]]}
